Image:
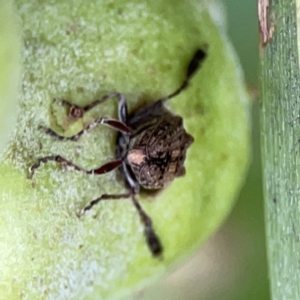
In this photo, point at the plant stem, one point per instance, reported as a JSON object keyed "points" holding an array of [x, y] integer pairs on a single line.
{"points": [[281, 149]]}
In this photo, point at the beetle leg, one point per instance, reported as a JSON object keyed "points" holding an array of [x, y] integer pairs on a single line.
{"points": [[105, 168], [152, 239], [102, 197], [122, 107], [76, 111], [193, 66], [115, 124]]}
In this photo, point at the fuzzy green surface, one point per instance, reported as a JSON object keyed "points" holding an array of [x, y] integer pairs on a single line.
{"points": [[79, 51], [10, 50]]}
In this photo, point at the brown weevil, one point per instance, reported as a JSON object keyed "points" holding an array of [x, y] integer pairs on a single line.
{"points": [[151, 147]]}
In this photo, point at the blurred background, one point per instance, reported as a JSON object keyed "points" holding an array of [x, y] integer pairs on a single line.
{"points": [[232, 264]]}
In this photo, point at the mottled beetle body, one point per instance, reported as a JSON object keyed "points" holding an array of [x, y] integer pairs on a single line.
{"points": [[157, 147], [150, 149]]}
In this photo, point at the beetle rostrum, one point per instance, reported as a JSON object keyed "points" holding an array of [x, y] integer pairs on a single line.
{"points": [[150, 149]]}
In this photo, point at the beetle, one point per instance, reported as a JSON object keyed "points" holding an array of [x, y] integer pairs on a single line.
{"points": [[151, 147]]}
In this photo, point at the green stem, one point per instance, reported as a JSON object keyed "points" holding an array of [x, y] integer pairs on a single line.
{"points": [[281, 149]]}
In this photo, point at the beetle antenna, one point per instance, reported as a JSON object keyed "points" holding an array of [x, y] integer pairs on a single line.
{"points": [[193, 66]]}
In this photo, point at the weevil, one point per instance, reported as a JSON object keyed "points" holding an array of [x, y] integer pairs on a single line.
{"points": [[151, 148]]}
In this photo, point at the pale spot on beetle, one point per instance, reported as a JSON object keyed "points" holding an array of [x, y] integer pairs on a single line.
{"points": [[175, 153], [135, 156], [172, 167]]}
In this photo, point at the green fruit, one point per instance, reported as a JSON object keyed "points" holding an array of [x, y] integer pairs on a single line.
{"points": [[10, 62], [81, 50]]}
